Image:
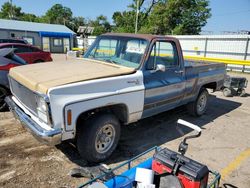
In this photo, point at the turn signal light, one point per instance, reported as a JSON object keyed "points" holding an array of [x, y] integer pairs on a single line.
{"points": [[69, 117]]}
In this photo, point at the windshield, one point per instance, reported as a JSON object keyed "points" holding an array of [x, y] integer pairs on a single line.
{"points": [[118, 50]]}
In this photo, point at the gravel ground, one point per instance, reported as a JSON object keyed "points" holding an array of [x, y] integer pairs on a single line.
{"points": [[24, 162]]}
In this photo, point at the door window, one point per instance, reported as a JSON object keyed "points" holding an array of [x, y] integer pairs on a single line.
{"points": [[57, 42], [46, 44], [164, 53], [30, 40], [22, 49], [35, 50], [66, 44]]}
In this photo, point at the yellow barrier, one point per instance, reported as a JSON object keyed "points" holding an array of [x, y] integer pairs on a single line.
{"points": [[79, 49], [197, 58], [219, 60]]}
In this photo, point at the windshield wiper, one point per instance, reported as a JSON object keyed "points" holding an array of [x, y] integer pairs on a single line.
{"points": [[110, 61]]}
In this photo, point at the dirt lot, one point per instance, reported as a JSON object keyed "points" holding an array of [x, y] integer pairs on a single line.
{"points": [[224, 146]]}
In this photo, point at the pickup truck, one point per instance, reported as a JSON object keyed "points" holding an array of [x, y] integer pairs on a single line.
{"points": [[121, 79]]}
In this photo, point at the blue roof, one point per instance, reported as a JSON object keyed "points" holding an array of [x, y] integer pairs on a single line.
{"points": [[33, 26]]}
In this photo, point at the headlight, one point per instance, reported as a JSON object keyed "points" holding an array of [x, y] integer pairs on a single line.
{"points": [[41, 104], [42, 109]]}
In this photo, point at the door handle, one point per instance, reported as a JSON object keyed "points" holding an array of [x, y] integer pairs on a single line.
{"points": [[179, 71]]}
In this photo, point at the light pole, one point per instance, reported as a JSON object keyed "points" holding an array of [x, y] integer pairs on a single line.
{"points": [[137, 14], [11, 10]]}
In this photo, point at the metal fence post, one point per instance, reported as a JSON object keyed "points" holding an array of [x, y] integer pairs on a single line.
{"points": [[205, 50], [245, 55]]}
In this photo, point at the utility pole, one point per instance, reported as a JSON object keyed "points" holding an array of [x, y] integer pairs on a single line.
{"points": [[11, 10], [137, 14]]}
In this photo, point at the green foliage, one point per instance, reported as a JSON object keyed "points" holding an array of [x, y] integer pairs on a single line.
{"points": [[76, 22], [10, 12], [100, 24], [30, 18], [155, 16], [124, 21], [59, 14], [164, 17], [179, 17]]}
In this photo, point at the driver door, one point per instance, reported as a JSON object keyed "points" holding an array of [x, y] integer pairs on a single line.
{"points": [[163, 78]]}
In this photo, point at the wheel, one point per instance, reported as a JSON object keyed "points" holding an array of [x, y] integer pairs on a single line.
{"points": [[3, 94], [227, 92], [199, 106], [242, 93], [98, 137]]}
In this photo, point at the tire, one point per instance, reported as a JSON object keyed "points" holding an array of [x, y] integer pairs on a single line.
{"points": [[3, 94], [199, 106], [242, 93], [93, 144], [227, 92]]}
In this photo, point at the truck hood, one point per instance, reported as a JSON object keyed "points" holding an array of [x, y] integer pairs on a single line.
{"points": [[43, 76]]}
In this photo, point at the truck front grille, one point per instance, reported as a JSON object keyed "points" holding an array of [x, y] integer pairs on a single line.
{"points": [[24, 95]]}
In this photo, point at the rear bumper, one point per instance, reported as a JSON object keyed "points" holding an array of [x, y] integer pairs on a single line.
{"points": [[49, 137]]}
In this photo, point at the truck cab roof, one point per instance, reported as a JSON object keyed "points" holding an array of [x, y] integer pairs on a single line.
{"points": [[148, 37]]}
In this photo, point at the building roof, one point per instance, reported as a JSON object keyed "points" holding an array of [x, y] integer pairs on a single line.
{"points": [[33, 26]]}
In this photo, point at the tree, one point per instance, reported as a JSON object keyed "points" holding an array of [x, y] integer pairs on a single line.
{"points": [[164, 16], [10, 12], [100, 24], [76, 22], [125, 21], [58, 14], [30, 17], [178, 17]]}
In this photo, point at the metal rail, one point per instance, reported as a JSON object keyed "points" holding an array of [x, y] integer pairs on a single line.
{"points": [[128, 163], [219, 60]]}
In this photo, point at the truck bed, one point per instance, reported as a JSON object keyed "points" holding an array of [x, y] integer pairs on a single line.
{"points": [[202, 66]]}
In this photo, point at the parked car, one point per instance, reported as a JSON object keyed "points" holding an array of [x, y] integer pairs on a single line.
{"points": [[7, 60], [28, 52], [22, 41], [122, 78]]}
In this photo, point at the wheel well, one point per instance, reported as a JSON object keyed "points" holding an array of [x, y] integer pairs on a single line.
{"points": [[6, 88], [119, 110], [212, 85]]}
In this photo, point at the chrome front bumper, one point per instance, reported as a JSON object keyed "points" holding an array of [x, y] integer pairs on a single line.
{"points": [[50, 137]]}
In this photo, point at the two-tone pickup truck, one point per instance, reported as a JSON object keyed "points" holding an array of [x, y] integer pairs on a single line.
{"points": [[121, 79]]}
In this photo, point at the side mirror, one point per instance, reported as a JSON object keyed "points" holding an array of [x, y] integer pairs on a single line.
{"points": [[160, 67]]}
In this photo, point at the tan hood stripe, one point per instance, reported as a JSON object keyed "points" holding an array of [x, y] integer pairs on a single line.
{"points": [[43, 76]]}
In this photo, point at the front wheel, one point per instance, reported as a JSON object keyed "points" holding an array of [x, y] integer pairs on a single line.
{"points": [[199, 106], [98, 137], [227, 92], [242, 92]]}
